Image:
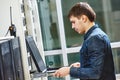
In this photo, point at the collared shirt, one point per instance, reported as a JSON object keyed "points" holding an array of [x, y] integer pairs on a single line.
{"points": [[95, 57]]}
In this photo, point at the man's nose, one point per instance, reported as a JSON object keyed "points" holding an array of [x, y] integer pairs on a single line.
{"points": [[73, 26]]}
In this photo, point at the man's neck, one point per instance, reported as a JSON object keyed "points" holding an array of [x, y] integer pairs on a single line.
{"points": [[91, 24]]}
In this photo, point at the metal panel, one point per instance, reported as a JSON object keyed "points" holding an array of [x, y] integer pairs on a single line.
{"points": [[35, 54], [16, 52], [1, 66], [7, 60]]}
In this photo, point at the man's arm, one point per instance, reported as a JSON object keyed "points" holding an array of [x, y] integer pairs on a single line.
{"points": [[96, 59]]}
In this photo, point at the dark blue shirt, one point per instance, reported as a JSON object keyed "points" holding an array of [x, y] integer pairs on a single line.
{"points": [[95, 57]]}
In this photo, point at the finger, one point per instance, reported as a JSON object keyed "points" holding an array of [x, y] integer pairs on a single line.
{"points": [[71, 65], [57, 75], [53, 74], [50, 74]]}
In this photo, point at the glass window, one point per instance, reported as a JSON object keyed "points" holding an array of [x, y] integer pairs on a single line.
{"points": [[49, 24], [54, 61], [107, 17], [115, 5], [73, 57], [115, 20], [73, 38], [116, 56], [71, 78]]}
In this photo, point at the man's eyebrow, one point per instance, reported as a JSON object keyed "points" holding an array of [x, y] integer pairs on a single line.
{"points": [[72, 21]]}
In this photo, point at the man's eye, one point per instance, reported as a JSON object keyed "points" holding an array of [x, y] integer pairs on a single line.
{"points": [[73, 22]]}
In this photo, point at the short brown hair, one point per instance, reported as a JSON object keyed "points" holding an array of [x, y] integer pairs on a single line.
{"points": [[82, 8]]}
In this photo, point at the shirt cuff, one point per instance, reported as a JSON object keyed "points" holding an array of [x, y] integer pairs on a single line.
{"points": [[74, 72]]}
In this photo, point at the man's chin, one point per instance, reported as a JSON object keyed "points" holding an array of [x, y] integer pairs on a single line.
{"points": [[80, 32]]}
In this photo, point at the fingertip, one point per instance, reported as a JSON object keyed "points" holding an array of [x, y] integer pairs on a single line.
{"points": [[53, 74]]}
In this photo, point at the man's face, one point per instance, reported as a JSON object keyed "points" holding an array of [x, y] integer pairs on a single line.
{"points": [[77, 24]]}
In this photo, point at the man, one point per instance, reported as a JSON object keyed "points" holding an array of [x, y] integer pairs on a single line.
{"points": [[96, 60]]}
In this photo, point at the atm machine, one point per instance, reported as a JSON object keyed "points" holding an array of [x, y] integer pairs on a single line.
{"points": [[10, 60]]}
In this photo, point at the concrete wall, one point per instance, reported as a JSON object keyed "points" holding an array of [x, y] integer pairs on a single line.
{"points": [[4, 16], [17, 20]]}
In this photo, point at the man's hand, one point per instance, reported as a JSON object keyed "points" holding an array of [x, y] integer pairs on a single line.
{"points": [[77, 64], [62, 72]]}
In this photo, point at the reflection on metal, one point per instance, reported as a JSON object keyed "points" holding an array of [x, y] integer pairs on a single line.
{"points": [[6, 38]]}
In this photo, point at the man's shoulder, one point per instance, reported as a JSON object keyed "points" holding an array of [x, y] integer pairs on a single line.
{"points": [[98, 34]]}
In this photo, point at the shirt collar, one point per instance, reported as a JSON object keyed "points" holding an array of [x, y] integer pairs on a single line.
{"points": [[90, 31]]}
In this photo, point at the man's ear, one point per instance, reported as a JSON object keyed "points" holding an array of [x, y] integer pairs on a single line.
{"points": [[84, 18]]}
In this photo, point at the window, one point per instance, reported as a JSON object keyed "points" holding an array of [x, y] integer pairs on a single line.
{"points": [[49, 24], [61, 43], [116, 54]]}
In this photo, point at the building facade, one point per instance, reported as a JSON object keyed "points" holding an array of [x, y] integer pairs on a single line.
{"points": [[47, 22]]}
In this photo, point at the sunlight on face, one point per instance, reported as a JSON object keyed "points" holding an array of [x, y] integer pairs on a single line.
{"points": [[77, 24]]}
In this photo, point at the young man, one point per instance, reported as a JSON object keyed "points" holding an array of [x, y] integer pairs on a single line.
{"points": [[96, 60]]}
